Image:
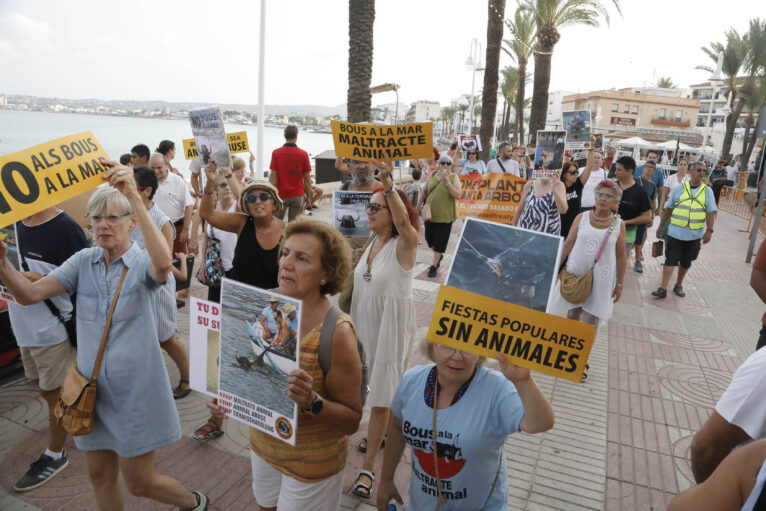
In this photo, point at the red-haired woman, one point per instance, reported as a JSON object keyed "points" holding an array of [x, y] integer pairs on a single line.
{"points": [[382, 308]]}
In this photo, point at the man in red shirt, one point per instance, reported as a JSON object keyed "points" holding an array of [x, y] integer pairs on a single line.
{"points": [[291, 174], [758, 283]]}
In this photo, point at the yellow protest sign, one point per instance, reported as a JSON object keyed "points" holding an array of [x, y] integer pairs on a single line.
{"points": [[493, 197], [47, 174], [237, 144], [366, 141], [542, 342]]}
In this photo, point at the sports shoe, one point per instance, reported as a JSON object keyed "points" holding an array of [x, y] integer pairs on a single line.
{"points": [[639, 267], [432, 272], [41, 471], [660, 293], [679, 291], [202, 501]]}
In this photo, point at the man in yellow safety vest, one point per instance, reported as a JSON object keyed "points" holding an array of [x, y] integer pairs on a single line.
{"points": [[689, 208]]}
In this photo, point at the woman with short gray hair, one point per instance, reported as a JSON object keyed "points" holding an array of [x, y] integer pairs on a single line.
{"points": [[135, 414]]}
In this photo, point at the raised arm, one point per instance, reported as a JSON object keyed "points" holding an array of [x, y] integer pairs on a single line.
{"points": [[407, 248], [560, 193], [26, 292], [538, 412], [229, 222], [588, 163]]}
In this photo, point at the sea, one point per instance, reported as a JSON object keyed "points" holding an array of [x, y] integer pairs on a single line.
{"points": [[263, 385], [22, 129]]}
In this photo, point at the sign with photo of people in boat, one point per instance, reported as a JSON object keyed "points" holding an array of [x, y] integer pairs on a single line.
{"points": [[259, 348]]}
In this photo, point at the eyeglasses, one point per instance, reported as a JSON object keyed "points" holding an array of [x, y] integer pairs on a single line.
{"points": [[110, 219], [572, 172], [471, 153], [607, 196], [445, 164], [449, 352], [263, 197], [374, 207]]}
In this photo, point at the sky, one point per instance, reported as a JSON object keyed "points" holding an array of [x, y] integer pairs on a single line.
{"points": [[204, 52]]}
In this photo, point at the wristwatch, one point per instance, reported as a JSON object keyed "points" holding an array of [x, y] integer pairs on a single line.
{"points": [[388, 193], [316, 406]]}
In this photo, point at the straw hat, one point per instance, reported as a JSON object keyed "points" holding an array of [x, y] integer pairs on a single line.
{"points": [[288, 309], [259, 186], [273, 298]]}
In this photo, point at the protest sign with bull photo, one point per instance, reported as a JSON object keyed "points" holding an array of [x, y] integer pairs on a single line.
{"points": [[349, 213], [469, 142], [549, 153]]}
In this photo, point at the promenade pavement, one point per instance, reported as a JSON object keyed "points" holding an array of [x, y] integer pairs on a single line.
{"points": [[621, 440]]}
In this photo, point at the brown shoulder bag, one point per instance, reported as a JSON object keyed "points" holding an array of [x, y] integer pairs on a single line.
{"points": [[576, 288], [76, 407]]}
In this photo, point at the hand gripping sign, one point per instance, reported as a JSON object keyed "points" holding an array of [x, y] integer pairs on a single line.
{"points": [[47, 174]]}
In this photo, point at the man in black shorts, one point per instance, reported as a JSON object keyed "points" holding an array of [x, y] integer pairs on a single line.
{"points": [[689, 209]]}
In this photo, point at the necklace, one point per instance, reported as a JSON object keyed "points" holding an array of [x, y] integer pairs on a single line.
{"points": [[273, 223], [367, 276], [600, 218]]}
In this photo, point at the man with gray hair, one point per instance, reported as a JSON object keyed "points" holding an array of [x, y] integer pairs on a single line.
{"points": [[361, 177], [173, 199]]}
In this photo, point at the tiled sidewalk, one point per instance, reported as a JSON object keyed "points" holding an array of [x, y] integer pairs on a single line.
{"points": [[620, 441]]}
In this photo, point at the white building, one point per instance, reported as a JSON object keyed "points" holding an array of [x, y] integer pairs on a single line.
{"points": [[710, 106], [553, 118], [421, 111], [387, 114]]}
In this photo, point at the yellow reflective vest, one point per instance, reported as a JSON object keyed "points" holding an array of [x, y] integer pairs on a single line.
{"points": [[690, 211]]}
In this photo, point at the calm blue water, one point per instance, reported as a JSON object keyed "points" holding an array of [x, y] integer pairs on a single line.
{"points": [[20, 130], [262, 385]]}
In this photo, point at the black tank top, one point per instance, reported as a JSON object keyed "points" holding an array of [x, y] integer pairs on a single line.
{"points": [[252, 264]]}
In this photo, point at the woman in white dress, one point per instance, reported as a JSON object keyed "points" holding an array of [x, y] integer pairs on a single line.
{"points": [[383, 310], [581, 249]]}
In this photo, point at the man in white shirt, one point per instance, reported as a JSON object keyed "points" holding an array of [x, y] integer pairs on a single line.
{"points": [[503, 164], [674, 180], [173, 199], [597, 175], [731, 174]]}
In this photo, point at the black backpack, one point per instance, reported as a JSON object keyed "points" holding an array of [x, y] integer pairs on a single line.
{"points": [[325, 349]]}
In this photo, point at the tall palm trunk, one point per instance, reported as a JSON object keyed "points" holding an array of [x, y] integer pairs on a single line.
{"points": [[506, 122], [548, 36], [503, 124], [496, 13], [731, 122], [361, 18], [520, 91]]}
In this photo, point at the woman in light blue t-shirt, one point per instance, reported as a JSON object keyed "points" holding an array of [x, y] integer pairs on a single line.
{"points": [[476, 409], [472, 164]]}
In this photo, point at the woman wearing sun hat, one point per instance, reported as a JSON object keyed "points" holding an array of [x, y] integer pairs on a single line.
{"points": [[256, 256]]}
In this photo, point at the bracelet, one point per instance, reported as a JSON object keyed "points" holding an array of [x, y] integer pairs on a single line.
{"points": [[388, 193], [211, 192], [620, 285]]}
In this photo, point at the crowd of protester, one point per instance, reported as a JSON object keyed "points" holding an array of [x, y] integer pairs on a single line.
{"points": [[258, 232]]}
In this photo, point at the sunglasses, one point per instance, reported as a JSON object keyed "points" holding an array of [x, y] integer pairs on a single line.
{"points": [[607, 196], [374, 207], [572, 172], [445, 164], [263, 197], [473, 153]]}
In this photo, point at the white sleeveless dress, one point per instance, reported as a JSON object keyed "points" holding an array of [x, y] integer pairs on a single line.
{"points": [[384, 316], [580, 260]]}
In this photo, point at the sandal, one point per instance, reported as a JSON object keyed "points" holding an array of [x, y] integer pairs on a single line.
{"points": [[361, 489], [208, 431], [363, 444], [178, 392]]}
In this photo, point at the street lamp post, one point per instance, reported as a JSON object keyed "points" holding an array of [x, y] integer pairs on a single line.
{"points": [[473, 60], [385, 88], [715, 81]]}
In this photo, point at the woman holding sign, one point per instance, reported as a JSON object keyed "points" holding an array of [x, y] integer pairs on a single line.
{"points": [[543, 201], [382, 308], [133, 383], [457, 414]]}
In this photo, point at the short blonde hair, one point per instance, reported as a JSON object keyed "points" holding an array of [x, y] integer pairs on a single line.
{"points": [[238, 163], [426, 347], [336, 252], [105, 197]]}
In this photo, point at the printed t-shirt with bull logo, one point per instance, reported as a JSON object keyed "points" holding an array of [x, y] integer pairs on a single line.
{"points": [[469, 439]]}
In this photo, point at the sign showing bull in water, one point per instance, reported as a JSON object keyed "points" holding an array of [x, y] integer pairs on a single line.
{"points": [[349, 215]]}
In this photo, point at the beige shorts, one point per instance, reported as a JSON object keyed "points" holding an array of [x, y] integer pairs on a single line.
{"points": [[48, 364]]}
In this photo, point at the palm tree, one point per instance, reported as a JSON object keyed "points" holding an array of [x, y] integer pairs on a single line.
{"points": [[753, 104], [448, 112], [495, 15], [509, 89], [665, 82], [361, 18], [462, 109], [753, 64], [550, 15], [522, 28]]}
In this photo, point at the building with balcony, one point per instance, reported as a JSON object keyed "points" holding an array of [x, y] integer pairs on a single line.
{"points": [[422, 111], [711, 106], [640, 112]]}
